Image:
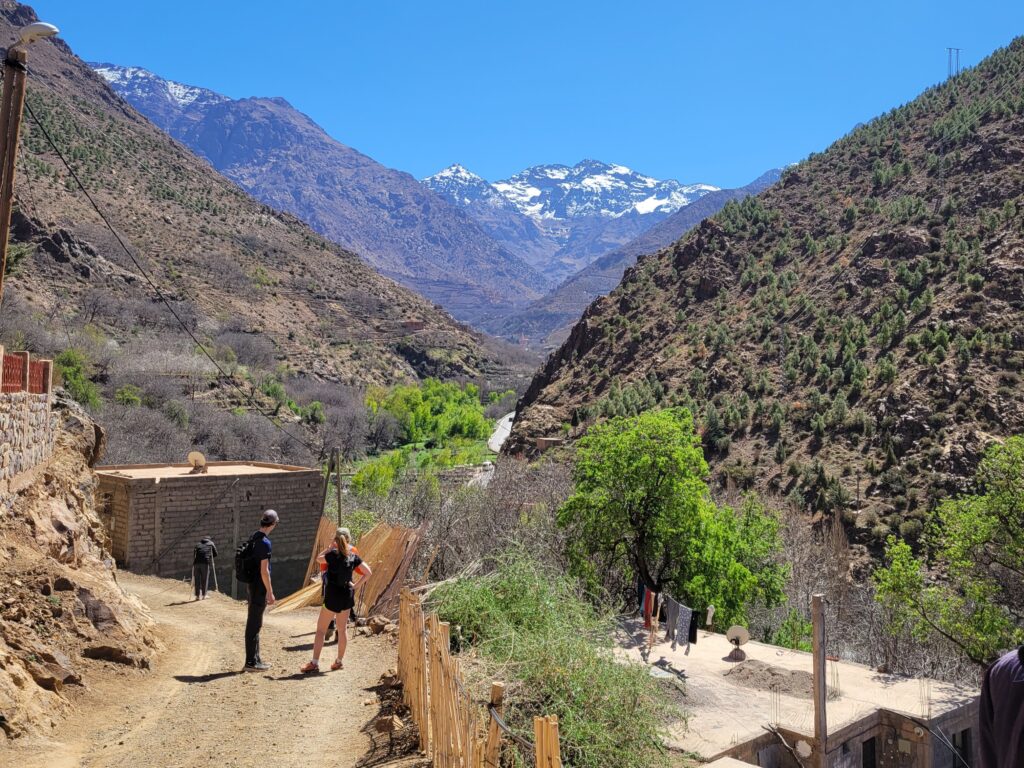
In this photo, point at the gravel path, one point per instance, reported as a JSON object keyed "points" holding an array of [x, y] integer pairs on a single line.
{"points": [[195, 707]]}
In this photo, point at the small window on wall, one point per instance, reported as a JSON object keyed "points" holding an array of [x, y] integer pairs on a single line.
{"points": [[867, 754], [962, 745]]}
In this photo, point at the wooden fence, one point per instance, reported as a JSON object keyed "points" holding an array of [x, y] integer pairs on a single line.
{"points": [[451, 730], [20, 374]]}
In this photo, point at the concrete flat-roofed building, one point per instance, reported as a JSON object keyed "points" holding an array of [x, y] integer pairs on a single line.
{"points": [[874, 720], [155, 513]]}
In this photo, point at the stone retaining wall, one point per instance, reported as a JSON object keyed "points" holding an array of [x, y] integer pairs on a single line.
{"points": [[27, 431]]}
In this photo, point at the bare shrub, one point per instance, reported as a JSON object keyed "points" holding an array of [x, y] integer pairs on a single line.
{"points": [[142, 436], [472, 523], [252, 349]]}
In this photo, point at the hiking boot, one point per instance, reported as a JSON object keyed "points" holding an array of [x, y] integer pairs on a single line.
{"points": [[259, 666]]}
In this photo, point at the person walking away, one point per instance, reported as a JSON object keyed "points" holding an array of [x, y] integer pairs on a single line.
{"points": [[1001, 712], [261, 590], [345, 572], [202, 563]]}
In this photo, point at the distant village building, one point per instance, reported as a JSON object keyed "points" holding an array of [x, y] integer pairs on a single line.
{"points": [[155, 513], [874, 719]]}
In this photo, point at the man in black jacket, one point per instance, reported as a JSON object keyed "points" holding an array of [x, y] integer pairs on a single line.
{"points": [[1001, 712], [202, 564]]}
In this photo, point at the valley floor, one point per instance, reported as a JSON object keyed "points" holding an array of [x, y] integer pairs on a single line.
{"points": [[195, 707]]}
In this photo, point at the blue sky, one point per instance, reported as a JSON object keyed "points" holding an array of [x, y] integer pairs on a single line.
{"points": [[714, 92]]}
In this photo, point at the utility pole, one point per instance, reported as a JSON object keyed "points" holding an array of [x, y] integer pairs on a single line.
{"points": [[12, 104], [953, 62], [818, 678]]}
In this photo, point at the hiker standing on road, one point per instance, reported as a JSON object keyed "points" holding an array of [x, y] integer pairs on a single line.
{"points": [[332, 628], [202, 562], [345, 571], [261, 591]]}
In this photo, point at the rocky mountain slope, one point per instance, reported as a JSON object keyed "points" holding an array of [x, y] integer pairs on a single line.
{"points": [[284, 159], [230, 264], [547, 321], [62, 614], [849, 340], [560, 217]]}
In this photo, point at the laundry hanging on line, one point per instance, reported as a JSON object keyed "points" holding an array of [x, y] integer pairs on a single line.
{"points": [[671, 616]]}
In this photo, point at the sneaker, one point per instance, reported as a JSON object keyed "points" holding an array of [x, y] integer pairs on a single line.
{"points": [[310, 666], [259, 666]]}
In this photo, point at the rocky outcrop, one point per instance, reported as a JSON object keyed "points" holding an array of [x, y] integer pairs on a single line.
{"points": [[61, 610]]}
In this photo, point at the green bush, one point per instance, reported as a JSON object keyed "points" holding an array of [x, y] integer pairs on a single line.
{"points": [[73, 368], [794, 632], [129, 395], [537, 626]]}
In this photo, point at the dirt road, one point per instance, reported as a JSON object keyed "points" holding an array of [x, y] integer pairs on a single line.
{"points": [[195, 707]]}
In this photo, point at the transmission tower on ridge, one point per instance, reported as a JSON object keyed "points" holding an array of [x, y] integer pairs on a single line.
{"points": [[953, 61]]}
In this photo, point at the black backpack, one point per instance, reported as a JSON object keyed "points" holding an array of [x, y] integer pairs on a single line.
{"points": [[245, 566]]}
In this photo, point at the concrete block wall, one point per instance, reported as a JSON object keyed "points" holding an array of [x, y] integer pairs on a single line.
{"points": [[154, 526], [27, 431]]}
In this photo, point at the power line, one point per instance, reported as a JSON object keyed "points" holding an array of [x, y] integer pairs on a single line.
{"points": [[202, 347]]}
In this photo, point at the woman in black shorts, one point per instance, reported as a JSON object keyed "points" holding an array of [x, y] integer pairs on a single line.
{"points": [[345, 571]]}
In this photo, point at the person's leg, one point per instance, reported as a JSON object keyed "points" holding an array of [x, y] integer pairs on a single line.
{"points": [[342, 634], [322, 621], [253, 625], [195, 581], [204, 579]]}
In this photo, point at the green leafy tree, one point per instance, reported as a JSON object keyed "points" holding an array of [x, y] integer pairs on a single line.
{"points": [[73, 368], [642, 508], [977, 543]]}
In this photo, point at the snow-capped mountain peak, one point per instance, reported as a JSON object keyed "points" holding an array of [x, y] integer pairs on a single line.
{"points": [[458, 184], [594, 188], [143, 85]]}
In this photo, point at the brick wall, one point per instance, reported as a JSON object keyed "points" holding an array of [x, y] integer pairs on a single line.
{"points": [[155, 525], [27, 430]]}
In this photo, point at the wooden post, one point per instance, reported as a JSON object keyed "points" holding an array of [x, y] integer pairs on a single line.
{"points": [[819, 679], [554, 747], [492, 752], [234, 547], [539, 741], [337, 481], [11, 107]]}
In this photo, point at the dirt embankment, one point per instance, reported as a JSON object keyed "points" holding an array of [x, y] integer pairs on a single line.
{"points": [[63, 616]]}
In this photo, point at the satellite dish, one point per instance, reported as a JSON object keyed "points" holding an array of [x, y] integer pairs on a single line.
{"points": [[738, 636], [198, 462]]}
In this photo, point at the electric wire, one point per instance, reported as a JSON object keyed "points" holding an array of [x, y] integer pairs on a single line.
{"points": [[191, 526], [156, 289]]}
